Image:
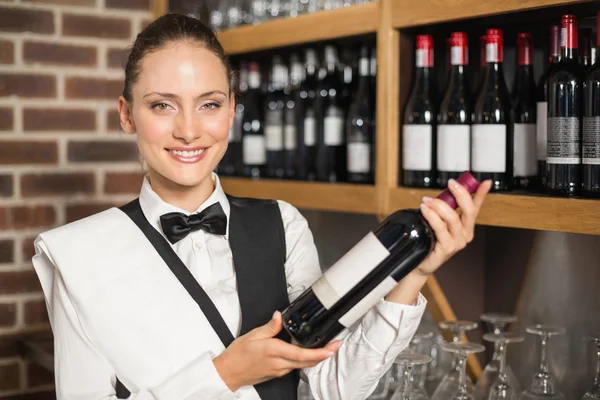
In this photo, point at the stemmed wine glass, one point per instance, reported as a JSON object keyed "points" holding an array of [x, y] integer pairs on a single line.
{"points": [[462, 351], [543, 384], [420, 343], [502, 388], [449, 383], [594, 392], [407, 360], [499, 323]]}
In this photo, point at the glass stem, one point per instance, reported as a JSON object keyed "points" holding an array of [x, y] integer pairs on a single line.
{"points": [[462, 383], [544, 351], [407, 368], [597, 379], [502, 359]]}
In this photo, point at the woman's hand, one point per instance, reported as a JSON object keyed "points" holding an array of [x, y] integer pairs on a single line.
{"points": [[258, 356], [453, 231]]}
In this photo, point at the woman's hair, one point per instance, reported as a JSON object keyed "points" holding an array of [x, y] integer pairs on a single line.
{"points": [[167, 29]]}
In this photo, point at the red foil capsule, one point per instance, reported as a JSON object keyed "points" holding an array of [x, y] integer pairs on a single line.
{"points": [[424, 54], [525, 48], [494, 52], [459, 48], [568, 32]]}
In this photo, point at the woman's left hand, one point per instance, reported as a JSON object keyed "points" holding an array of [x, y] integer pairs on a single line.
{"points": [[453, 231]]}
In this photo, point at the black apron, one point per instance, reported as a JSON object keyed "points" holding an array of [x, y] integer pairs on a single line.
{"points": [[257, 240]]}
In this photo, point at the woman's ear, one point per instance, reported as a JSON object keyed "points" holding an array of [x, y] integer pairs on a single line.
{"points": [[126, 116]]}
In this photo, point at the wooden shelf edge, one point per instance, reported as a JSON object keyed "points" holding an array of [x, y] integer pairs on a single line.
{"points": [[310, 195], [520, 211], [322, 25]]}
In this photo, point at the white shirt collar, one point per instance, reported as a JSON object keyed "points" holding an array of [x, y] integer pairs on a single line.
{"points": [[153, 206]]}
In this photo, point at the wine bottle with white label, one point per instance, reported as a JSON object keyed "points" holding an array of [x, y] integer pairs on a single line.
{"points": [[542, 104], [359, 126], [254, 150], [454, 118], [525, 143], [418, 129], [591, 130], [307, 126], [274, 119], [364, 275], [492, 129], [290, 128]]}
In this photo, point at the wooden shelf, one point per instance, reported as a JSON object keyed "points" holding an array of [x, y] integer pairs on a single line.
{"points": [[323, 25], [520, 211], [310, 195], [407, 13]]}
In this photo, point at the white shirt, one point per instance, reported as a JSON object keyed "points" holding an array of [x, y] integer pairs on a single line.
{"points": [[117, 310]]}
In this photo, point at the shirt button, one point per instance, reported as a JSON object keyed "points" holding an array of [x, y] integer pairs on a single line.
{"points": [[198, 245]]}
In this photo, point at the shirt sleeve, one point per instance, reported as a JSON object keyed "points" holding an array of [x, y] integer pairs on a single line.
{"points": [[82, 372], [370, 346]]}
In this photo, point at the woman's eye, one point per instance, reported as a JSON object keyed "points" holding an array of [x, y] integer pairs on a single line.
{"points": [[160, 106], [211, 106]]}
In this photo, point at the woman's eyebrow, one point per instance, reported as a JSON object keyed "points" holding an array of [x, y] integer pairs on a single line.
{"points": [[174, 96]]}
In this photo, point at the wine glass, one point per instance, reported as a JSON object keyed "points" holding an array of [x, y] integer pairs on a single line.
{"points": [[421, 344], [450, 381], [407, 361], [499, 323], [594, 392], [462, 351], [502, 388], [543, 384]]}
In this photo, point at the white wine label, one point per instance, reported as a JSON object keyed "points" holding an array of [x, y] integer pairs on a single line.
{"points": [[416, 147], [525, 162], [454, 148], [289, 140], [310, 131], [334, 131], [541, 128], [255, 151], [591, 140], [359, 157], [274, 136], [564, 140], [349, 270], [488, 148], [367, 302]]}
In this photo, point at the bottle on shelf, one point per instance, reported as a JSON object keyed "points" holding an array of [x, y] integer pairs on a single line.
{"points": [[291, 118], [591, 130], [307, 114], [482, 65], [274, 119], [230, 164], [454, 118], [418, 128], [524, 98], [364, 275], [585, 47], [565, 107], [253, 135], [492, 129], [542, 105], [359, 126]]}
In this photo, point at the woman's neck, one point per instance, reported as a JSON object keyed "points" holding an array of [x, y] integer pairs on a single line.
{"points": [[187, 198]]}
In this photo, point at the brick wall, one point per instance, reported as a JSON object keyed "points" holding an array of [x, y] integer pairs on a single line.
{"points": [[61, 154]]}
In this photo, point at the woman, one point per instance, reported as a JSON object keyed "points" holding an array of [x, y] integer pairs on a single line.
{"points": [[146, 296]]}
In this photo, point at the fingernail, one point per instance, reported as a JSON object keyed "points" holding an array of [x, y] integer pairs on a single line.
{"points": [[274, 315], [427, 199], [330, 354], [424, 206], [453, 183]]}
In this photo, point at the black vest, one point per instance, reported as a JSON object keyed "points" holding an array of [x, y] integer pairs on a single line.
{"points": [[257, 240]]}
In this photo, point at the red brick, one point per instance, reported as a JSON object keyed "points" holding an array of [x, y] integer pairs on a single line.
{"points": [[38, 376], [113, 121], [64, 2], [7, 52], [49, 119], [28, 249], [79, 211], [146, 22], [27, 85], [21, 217], [28, 152], [59, 54], [33, 185], [9, 347], [6, 119], [123, 183], [93, 88], [6, 186], [129, 4], [10, 376], [46, 395], [117, 58], [14, 282], [102, 151], [7, 251], [92, 26], [25, 20], [8, 314], [36, 312]]}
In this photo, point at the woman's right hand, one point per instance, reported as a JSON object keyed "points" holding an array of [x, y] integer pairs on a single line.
{"points": [[258, 356]]}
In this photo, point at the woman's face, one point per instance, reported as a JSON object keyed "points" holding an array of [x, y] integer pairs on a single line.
{"points": [[181, 111]]}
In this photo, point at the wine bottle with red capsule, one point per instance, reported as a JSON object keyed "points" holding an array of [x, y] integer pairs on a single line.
{"points": [[591, 130]]}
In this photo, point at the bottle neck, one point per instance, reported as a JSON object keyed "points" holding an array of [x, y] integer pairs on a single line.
{"points": [[568, 53], [458, 78], [524, 73], [423, 79], [494, 73], [554, 58]]}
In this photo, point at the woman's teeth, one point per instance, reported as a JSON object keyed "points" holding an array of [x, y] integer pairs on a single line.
{"points": [[186, 153]]}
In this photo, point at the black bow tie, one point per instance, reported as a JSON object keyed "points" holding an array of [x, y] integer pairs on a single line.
{"points": [[177, 225]]}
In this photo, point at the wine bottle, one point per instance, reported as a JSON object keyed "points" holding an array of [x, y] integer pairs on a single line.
{"points": [[591, 130], [492, 129], [565, 108], [359, 126], [290, 129], [418, 129], [274, 120], [482, 65], [542, 104], [454, 118], [253, 135], [230, 163], [364, 275], [525, 143], [307, 127], [585, 47]]}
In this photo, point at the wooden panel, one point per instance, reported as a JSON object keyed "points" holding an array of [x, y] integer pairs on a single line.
{"points": [[159, 7], [521, 211], [406, 13], [316, 196], [324, 25]]}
